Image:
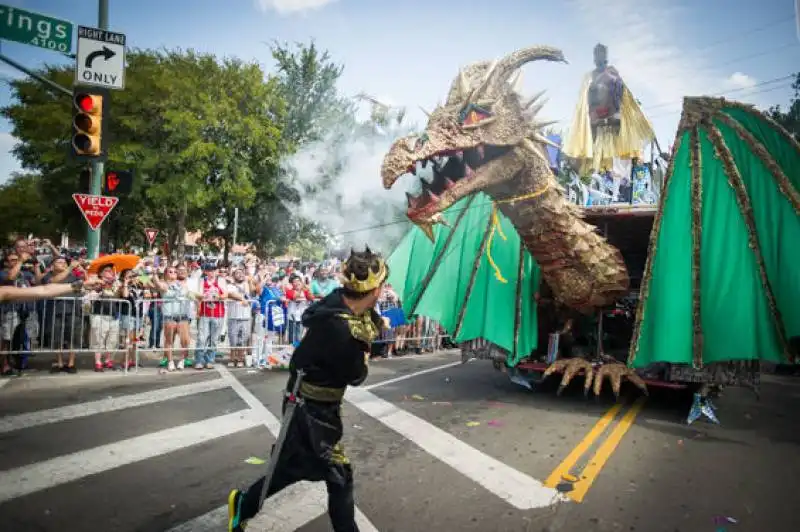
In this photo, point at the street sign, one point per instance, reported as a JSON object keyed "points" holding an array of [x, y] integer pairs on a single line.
{"points": [[95, 208], [100, 60], [151, 235], [29, 27]]}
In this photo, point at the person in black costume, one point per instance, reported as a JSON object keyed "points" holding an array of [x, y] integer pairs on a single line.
{"points": [[333, 354]]}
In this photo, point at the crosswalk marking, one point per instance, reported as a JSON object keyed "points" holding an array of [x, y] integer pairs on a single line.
{"points": [[287, 511], [407, 376], [49, 473], [518, 489], [102, 406]]}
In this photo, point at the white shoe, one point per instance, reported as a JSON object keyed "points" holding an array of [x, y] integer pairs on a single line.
{"points": [[171, 366], [209, 366], [180, 364], [198, 366], [231, 364], [240, 364]]}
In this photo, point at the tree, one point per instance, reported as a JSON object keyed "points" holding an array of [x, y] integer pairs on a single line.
{"points": [[307, 79], [199, 133], [21, 208], [789, 118]]}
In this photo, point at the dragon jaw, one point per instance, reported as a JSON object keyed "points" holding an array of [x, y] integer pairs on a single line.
{"points": [[479, 138]]}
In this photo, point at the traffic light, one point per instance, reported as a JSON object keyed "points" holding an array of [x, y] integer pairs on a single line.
{"points": [[87, 123]]}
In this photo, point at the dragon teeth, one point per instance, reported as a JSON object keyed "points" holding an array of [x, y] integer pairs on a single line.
{"points": [[468, 171], [480, 151]]}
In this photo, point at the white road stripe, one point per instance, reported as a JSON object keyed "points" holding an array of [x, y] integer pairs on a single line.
{"points": [[518, 489], [90, 408], [411, 375], [285, 512], [54, 472]]}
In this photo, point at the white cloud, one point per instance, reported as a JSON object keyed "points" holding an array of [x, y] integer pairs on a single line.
{"points": [[291, 6], [738, 80]]}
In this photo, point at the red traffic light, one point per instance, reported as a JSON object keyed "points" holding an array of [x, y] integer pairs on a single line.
{"points": [[85, 102]]}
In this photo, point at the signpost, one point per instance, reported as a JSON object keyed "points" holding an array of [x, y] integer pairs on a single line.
{"points": [[29, 27], [151, 235], [95, 208], [100, 60]]}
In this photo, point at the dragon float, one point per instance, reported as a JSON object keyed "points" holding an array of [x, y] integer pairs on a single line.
{"points": [[487, 140]]}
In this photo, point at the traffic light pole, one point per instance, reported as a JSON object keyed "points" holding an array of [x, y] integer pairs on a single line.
{"points": [[98, 168]]}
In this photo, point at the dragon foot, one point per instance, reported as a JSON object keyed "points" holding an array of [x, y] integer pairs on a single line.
{"points": [[615, 373], [571, 367]]}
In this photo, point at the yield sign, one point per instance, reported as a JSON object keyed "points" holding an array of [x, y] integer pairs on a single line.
{"points": [[95, 208], [151, 235]]}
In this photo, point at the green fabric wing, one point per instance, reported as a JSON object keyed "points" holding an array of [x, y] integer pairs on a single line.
{"points": [[736, 318], [435, 279]]}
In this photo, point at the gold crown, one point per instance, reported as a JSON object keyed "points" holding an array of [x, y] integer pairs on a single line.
{"points": [[372, 282]]}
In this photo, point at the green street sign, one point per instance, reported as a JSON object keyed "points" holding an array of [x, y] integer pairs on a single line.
{"points": [[35, 29]]}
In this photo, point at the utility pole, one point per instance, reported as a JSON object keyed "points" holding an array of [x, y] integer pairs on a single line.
{"points": [[98, 168]]}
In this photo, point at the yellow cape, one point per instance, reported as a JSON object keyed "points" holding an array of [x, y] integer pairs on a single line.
{"points": [[635, 131]]}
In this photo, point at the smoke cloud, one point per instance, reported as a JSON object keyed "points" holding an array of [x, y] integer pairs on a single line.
{"points": [[338, 180]]}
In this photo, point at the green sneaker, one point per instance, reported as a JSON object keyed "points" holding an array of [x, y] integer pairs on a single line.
{"points": [[235, 522], [163, 363]]}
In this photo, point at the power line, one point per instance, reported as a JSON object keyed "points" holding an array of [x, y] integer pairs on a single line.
{"points": [[770, 89], [727, 92], [738, 36]]}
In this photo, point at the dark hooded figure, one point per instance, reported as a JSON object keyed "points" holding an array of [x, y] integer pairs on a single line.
{"points": [[333, 354]]}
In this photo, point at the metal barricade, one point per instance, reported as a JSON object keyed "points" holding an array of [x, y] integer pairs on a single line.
{"points": [[419, 334], [73, 325], [169, 329]]}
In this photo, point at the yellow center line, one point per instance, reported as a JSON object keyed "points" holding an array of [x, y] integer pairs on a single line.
{"points": [[604, 452], [563, 469]]}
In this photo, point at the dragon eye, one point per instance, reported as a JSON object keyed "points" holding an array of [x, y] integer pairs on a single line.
{"points": [[474, 114], [420, 142]]}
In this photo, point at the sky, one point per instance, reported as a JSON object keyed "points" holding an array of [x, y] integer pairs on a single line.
{"points": [[406, 53]]}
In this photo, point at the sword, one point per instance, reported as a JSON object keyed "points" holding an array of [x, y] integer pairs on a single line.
{"points": [[293, 400]]}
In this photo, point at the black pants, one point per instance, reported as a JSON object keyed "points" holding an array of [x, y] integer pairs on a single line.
{"points": [[312, 452], [341, 504]]}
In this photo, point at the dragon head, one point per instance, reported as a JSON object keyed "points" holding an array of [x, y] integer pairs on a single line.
{"points": [[478, 139]]}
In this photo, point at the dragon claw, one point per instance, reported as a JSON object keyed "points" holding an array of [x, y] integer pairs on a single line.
{"points": [[616, 373]]}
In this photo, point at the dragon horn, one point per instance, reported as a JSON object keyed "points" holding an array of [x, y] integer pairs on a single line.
{"points": [[493, 85]]}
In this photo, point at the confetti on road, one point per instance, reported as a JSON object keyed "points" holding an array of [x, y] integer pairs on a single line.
{"points": [[473, 423], [253, 460]]}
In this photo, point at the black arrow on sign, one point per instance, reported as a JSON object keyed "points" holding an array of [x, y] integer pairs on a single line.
{"points": [[106, 52]]}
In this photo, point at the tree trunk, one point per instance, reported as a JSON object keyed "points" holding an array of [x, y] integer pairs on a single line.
{"points": [[181, 233]]}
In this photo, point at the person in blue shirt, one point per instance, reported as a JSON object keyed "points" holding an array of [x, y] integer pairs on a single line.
{"points": [[271, 296], [324, 283]]}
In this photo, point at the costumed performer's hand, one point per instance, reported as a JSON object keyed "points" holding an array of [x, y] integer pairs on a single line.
{"points": [[387, 323]]}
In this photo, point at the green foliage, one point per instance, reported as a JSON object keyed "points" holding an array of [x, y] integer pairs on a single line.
{"points": [[790, 117], [199, 132], [20, 208]]}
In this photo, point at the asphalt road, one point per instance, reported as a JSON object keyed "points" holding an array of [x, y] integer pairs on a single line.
{"points": [[456, 448]]}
